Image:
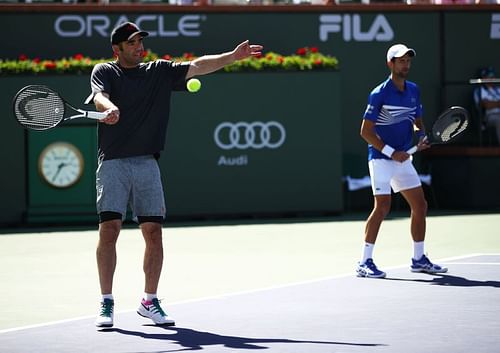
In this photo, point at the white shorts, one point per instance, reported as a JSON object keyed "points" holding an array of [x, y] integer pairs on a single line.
{"points": [[385, 173]]}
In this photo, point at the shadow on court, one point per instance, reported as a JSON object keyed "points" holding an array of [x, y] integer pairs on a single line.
{"points": [[192, 340], [449, 280], [405, 313]]}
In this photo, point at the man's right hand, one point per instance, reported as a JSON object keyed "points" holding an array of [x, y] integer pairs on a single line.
{"points": [[113, 116], [400, 156]]}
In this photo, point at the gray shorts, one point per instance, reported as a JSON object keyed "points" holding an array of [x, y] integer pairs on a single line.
{"points": [[134, 182]]}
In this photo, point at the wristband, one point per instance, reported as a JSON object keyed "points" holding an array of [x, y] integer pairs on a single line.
{"points": [[388, 151]]}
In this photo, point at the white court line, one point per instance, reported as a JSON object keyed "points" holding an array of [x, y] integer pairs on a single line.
{"points": [[448, 259], [46, 324], [221, 296], [475, 263]]}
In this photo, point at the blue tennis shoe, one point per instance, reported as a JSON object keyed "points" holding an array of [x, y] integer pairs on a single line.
{"points": [[425, 265], [369, 269]]}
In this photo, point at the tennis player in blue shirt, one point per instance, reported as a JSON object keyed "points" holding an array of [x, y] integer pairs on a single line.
{"points": [[392, 117]]}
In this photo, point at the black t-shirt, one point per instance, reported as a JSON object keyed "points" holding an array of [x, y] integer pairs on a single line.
{"points": [[143, 96]]}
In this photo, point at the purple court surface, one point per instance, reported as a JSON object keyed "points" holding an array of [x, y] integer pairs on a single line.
{"points": [[405, 313]]}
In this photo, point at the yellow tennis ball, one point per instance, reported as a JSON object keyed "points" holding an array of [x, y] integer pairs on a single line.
{"points": [[193, 85]]}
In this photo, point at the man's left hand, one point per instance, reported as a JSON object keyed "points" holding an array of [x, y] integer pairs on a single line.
{"points": [[423, 144], [245, 49]]}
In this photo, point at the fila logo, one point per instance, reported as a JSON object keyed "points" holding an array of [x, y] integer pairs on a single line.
{"points": [[350, 27], [495, 26]]}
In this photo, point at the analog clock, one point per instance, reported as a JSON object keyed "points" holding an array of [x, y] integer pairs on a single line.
{"points": [[60, 164]]}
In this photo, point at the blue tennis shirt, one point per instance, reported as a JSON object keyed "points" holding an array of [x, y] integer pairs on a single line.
{"points": [[394, 113]]}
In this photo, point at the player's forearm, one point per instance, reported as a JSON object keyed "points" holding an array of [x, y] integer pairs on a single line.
{"points": [[103, 103], [368, 134], [374, 140], [419, 123], [210, 63]]}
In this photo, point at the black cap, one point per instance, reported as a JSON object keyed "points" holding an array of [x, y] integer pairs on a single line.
{"points": [[125, 31]]}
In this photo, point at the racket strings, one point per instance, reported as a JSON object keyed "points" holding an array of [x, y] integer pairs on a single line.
{"points": [[38, 108], [454, 129], [447, 133]]}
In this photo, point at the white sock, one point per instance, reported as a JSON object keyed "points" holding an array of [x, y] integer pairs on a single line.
{"points": [[367, 252], [107, 296], [150, 296], [418, 250]]}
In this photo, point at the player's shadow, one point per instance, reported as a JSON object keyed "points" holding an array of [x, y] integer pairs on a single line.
{"points": [[192, 340], [449, 280]]}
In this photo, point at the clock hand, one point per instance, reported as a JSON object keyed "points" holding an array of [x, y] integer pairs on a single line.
{"points": [[59, 167]]}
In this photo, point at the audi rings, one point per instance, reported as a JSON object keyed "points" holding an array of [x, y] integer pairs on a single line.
{"points": [[242, 135]]}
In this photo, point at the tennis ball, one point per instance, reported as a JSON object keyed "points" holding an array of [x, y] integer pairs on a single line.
{"points": [[193, 85]]}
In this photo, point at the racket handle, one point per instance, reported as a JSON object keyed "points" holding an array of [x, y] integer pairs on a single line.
{"points": [[95, 115], [412, 150]]}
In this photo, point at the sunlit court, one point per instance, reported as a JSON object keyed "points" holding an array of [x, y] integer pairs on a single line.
{"points": [[234, 175]]}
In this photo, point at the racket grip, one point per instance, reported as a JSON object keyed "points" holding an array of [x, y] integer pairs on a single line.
{"points": [[412, 150], [96, 115]]}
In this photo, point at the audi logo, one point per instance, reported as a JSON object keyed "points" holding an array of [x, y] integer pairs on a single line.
{"points": [[243, 135]]}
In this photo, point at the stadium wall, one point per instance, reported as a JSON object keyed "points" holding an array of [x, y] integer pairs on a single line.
{"points": [[452, 42]]}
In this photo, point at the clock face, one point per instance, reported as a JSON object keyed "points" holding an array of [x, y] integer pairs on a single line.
{"points": [[60, 164]]}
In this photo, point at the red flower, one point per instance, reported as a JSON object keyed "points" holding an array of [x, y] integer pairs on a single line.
{"points": [[318, 62], [36, 60], [313, 49], [258, 55], [78, 56], [23, 57], [301, 51], [281, 59], [188, 55], [167, 57], [50, 65]]}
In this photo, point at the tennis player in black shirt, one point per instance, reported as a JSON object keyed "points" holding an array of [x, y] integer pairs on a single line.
{"points": [[136, 97]]}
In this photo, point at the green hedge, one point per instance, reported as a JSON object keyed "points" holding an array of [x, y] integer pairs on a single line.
{"points": [[304, 59]]}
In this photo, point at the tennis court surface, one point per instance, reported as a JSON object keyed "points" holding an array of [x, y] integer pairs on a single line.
{"points": [[276, 287], [454, 312]]}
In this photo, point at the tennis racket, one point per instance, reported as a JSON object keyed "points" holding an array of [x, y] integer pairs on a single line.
{"points": [[448, 126], [38, 107]]}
